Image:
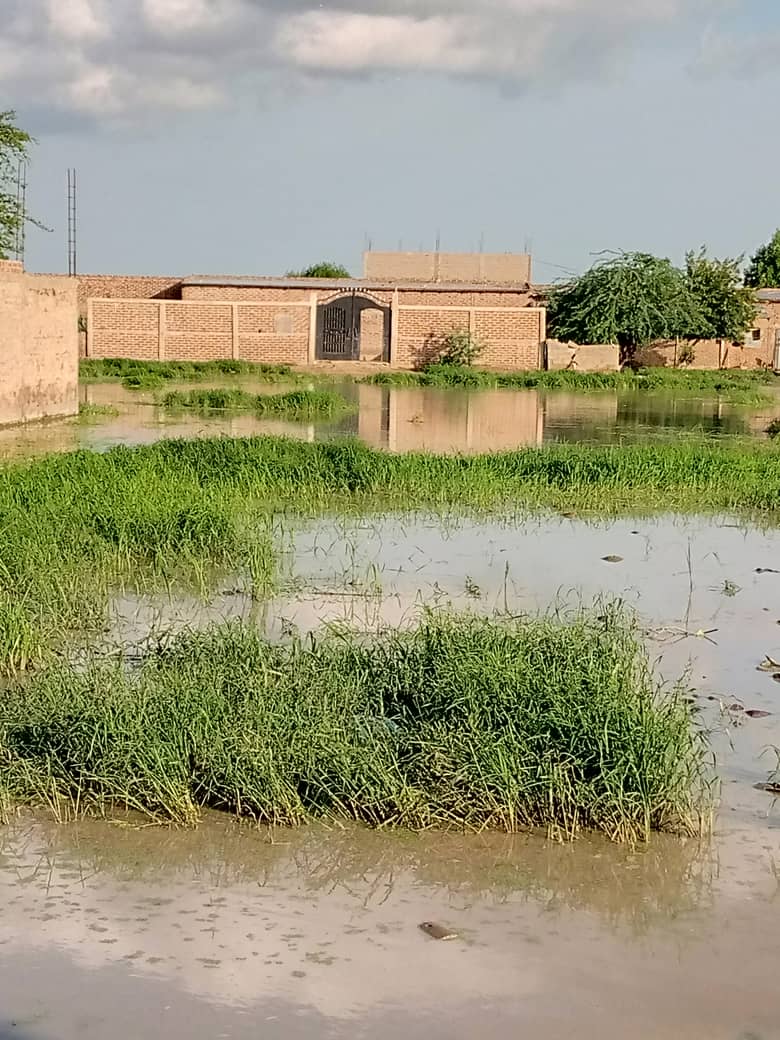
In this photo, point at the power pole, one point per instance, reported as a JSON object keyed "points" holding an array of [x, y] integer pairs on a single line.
{"points": [[21, 212], [72, 227]]}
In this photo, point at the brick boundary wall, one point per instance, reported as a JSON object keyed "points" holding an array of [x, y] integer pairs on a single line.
{"points": [[708, 354], [126, 287], [284, 331], [39, 338]]}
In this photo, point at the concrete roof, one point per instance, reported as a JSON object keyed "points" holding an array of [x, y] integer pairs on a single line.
{"points": [[347, 283]]}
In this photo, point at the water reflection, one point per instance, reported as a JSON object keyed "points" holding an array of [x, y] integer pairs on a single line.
{"points": [[408, 419]]}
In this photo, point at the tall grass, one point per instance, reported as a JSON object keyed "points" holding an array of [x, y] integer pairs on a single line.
{"points": [[74, 525], [297, 405], [466, 722], [738, 386], [154, 374]]}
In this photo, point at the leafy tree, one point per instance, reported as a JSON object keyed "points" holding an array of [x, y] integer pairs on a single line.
{"points": [[764, 269], [629, 298], [724, 308], [324, 269], [14, 148]]}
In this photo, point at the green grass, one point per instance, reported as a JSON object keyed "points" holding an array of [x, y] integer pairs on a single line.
{"points": [[460, 722], [96, 412], [298, 405], [150, 375], [75, 525], [739, 386]]}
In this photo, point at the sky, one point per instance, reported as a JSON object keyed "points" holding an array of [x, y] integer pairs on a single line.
{"points": [[256, 136]]}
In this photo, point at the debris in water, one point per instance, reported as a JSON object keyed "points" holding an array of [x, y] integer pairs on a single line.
{"points": [[776, 676], [737, 707], [768, 665], [757, 713], [766, 570], [771, 788], [612, 559], [437, 931]]}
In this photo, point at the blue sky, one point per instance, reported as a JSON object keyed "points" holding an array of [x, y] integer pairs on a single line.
{"points": [[252, 136]]}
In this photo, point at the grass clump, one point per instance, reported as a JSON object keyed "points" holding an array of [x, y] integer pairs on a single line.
{"points": [[151, 375], [736, 385], [461, 721], [298, 405], [77, 525], [89, 413]]}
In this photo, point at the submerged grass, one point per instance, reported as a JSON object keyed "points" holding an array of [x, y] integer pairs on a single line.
{"points": [[89, 413], [737, 385], [75, 525], [296, 404], [504, 723]]}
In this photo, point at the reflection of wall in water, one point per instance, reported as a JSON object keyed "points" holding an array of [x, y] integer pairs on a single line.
{"points": [[576, 408], [447, 421]]}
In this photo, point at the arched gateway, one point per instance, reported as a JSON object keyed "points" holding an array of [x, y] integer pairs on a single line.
{"points": [[340, 322]]}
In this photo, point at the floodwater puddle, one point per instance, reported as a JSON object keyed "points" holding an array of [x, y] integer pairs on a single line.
{"points": [[232, 931], [406, 419]]}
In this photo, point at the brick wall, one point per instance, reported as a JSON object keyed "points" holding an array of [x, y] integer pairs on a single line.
{"points": [[124, 328], [189, 331], [510, 338], [496, 268], [274, 324], [240, 293], [592, 358], [39, 337], [126, 287], [708, 354]]}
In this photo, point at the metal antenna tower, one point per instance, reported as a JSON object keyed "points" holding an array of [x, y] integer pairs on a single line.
{"points": [[21, 210], [72, 226]]}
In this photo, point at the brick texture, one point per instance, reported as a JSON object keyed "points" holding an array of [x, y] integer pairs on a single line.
{"points": [[498, 268], [126, 287]]}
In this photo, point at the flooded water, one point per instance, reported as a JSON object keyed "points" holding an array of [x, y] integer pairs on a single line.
{"points": [[232, 931], [137, 932], [407, 419]]}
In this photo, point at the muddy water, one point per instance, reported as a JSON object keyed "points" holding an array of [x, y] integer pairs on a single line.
{"points": [[232, 932], [407, 419], [134, 931]]}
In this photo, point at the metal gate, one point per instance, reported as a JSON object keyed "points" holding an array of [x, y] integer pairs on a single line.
{"points": [[338, 327]]}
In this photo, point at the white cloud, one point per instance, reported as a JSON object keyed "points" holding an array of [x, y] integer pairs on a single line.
{"points": [[109, 58], [345, 41], [77, 19], [187, 16]]}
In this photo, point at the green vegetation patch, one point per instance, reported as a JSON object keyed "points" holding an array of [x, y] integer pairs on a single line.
{"points": [[76, 525], [749, 387], [151, 375], [297, 405], [460, 721]]}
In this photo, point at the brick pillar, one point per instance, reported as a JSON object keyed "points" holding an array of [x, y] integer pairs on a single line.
{"points": [[395, 311], [542, 334], [313, 303], [234, 327], [162, 329], [90, 326]]}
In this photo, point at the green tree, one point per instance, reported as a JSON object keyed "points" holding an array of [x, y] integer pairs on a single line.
{"points": [[764, 269], [724, 307], [324, 269], [629, 298], [14, 148]]}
